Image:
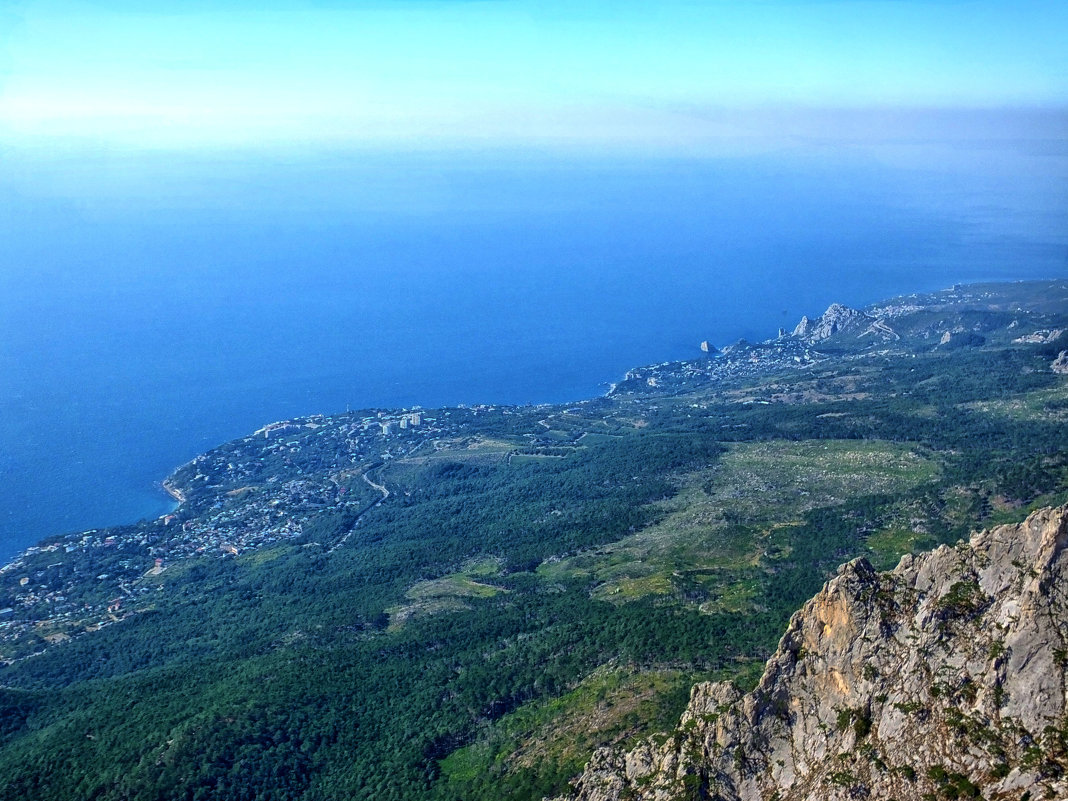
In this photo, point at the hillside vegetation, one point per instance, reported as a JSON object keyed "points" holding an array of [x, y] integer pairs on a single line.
{"points": [[941, 679], [465, 603]]}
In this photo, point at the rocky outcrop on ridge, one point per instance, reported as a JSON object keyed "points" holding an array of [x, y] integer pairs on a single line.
{"points": [[838, 319], [944, 678], [881, 329], [1060, 364], [1043, 337]]}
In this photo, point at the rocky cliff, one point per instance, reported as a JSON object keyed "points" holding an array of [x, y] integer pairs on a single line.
{"points": [[944, 678], [838, 319]]}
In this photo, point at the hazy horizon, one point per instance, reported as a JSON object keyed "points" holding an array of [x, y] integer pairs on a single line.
{"points": [[506, 73]]}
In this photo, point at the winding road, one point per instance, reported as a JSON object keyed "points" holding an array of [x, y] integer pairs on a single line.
{"points": [[385, 494]]}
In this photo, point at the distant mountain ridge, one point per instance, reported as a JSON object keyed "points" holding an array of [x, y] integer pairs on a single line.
{"points": [[944, 678]]}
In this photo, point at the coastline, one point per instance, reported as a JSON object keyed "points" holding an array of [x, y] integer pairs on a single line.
{"points": [[173, 491], [179, 497]]}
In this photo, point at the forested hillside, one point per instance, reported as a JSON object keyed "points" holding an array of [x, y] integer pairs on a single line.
{"points": [[464, 603]]}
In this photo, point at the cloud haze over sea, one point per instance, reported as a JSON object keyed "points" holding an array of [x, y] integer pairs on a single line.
{"points": [[511, 72]]}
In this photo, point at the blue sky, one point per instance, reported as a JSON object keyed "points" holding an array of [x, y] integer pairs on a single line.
{"points": [[194, 72]]}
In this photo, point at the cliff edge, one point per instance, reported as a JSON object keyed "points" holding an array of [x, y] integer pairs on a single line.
{"points": [[944, 678]]}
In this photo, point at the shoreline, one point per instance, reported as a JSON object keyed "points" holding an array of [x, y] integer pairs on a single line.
{"points": [[179, 497], [173, 491]]}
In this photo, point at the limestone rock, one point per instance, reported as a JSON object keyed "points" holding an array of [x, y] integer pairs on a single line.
{"points": [[943, 678], [1060, 364], [882, 330], [804, 328], [1043, 337], [961, 339], [838, 319]]}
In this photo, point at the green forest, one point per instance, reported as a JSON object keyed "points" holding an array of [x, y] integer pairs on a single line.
{"points": [[534, 581]]}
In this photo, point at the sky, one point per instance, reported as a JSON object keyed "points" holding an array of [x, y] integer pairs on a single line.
{"points": [[191, 73]]}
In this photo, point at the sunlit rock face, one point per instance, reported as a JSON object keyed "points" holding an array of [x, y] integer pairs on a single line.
{"points": [[943, 678], [1060, 364], [838, 319]]}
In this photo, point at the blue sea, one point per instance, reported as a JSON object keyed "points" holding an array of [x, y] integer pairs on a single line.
{"points": [[155, 304]]}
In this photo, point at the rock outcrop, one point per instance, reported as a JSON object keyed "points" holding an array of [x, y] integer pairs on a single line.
{"points": [[1043, 337], [880, 329], [838, 319], [944, 678], [961, 339], [1060, 364]]}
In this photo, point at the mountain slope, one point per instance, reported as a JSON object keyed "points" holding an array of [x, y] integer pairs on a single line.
{"points": [[539, 581], [944, 678]]}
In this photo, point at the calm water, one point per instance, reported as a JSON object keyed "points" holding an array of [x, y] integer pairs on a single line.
{"points": [[154, 306]]}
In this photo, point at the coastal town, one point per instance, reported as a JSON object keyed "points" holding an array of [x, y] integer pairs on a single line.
{"points": [[740, 361], [309, 481], [267, 488]]}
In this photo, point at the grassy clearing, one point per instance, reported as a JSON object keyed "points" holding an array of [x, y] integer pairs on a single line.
{"points": [[486, 567], [811, 391], [458, 586], [263, 555], [717, 528], [888, 545], [599, 439], [399, 615], [1049, 405], [448, 593], [737, 597], [771, 481], [611, 705], [628, 587], [535, 457], [461, 448]]}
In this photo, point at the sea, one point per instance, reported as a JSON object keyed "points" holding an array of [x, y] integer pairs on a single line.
{"points": [[154, 304]]}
